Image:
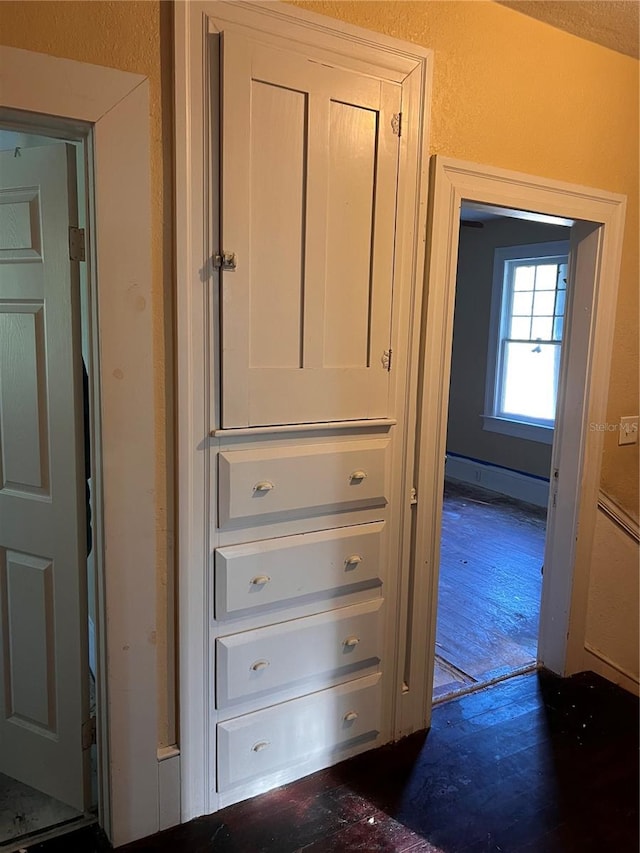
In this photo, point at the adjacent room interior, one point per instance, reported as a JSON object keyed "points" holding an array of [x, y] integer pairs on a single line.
{"points": [[507, 342]]}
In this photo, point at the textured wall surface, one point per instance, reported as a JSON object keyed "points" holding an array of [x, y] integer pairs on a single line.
{"points": [[512, 92], [131, 36], [509, 91], [474, 287]]}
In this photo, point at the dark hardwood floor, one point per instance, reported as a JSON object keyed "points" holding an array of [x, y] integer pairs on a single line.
{"points": [[491, 554], [534, 764]]}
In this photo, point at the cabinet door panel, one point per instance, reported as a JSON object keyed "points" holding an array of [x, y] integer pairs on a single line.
{"points": [[309, 173]]}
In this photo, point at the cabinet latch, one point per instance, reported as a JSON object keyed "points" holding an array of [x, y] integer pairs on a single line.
{"points": [[225, 261]]}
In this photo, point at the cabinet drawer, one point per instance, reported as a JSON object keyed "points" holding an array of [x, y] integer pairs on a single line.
{"points": [[302, 654], [274, 571], [257, 744], [301, 480]]}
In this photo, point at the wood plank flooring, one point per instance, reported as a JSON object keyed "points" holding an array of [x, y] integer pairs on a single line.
{"points": [[24, 811], [490, 585], [535, 764]]}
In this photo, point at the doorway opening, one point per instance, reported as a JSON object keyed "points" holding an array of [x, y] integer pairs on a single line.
{"points": [[596, 220], [48, 588], [509, 316]]}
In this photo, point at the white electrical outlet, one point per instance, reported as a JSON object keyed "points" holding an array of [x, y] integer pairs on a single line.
{"points": [[628, 432]]}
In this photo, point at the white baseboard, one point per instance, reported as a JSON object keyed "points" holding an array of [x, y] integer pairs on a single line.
{"points": [[496, 479], [168, 787]]}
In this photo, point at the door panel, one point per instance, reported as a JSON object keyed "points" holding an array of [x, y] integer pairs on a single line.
{"points": [[309, 173], [24, 439], [43, 618], [27, 629]]}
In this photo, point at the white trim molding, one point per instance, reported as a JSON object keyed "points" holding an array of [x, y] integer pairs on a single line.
{"points": [[596, 247], [110, 109], [197, 27], [518, 429], [620, 516]]}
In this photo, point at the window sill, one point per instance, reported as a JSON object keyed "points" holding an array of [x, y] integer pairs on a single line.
{"points": [[519, 429]]}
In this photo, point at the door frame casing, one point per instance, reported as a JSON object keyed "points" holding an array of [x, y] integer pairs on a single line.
{"points": [[111, 108], [197, 358], [577, 450]]}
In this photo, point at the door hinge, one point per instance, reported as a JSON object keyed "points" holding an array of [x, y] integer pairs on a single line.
{"points": [[554, 486], [386, 359], [76, 244], [396, 124], [89, 734], [225, 261], [414, 496]]}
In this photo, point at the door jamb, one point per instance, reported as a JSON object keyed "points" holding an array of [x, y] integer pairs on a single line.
{"points": [[454, 181], [115, 105], [407, 63]]}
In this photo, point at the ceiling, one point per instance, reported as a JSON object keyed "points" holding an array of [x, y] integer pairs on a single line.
{"points": [[611, 23], [472, 211]]}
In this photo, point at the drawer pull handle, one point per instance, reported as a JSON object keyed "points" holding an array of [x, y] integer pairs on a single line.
{"points": [[263, 486], [260, 580], [351, 642], [350, 716], [358, 475], [259, 664], [352, 561], [258, 747]]}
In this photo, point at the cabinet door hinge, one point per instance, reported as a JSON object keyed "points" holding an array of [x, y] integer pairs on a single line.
{"points": [[554, 486], [386, 359], [76, 244], [414, 496], [89, 735], [396, 123]]}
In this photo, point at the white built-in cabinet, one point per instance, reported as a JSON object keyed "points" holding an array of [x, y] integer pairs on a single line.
{"points": [[313, 179], [309, 163]]}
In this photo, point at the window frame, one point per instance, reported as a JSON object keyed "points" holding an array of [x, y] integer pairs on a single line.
{"points": [[527, 428]]}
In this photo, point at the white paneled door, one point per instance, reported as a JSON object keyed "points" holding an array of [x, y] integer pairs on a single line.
{"points": [[309, 176], [43, 619]]}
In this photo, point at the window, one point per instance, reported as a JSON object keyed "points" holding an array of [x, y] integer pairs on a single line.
{"points": [[523, 367]]}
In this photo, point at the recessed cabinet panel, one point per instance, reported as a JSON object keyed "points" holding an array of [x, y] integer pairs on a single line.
{"points": [[278, 165], [302, 480], [350, 203], [261, 743], [300, 653], [281, 571]]}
